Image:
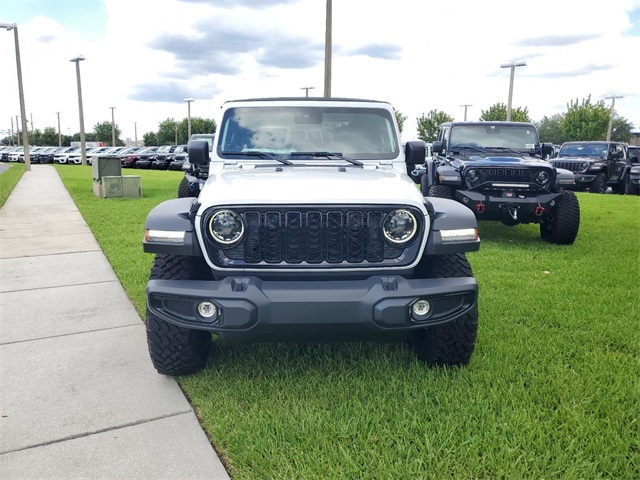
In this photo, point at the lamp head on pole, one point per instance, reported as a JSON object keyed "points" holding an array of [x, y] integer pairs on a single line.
{"points": [[79, 58], [8, 26], [514, 64]]}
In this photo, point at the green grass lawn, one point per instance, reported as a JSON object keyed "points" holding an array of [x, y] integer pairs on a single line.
{"points": [[8, 180], [552, 391]]}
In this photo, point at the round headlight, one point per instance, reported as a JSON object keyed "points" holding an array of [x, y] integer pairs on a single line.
{"points": [[472, 175], [226, 227], [400, 226], [542, 177], [583, 165]]}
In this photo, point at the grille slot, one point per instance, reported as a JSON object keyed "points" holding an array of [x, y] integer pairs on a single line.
{"points": [[506, 175], [308, 236]]}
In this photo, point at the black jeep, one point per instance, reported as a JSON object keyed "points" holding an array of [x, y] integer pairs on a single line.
{"points": [[497, 170], [596, 165]]}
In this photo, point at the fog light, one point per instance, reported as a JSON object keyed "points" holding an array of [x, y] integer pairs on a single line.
{"points": [[420, 310], [207, 309]]}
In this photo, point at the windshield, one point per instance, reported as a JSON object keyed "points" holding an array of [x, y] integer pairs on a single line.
{"points": [[584, 150], [516, 137], [358, 133]]}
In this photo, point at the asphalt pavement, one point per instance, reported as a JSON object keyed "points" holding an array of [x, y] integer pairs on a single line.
{"points": [[79, 398]]}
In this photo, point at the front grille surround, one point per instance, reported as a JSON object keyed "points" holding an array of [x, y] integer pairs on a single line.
{"points": [[573, 166], [515, 175], [314, 238]]}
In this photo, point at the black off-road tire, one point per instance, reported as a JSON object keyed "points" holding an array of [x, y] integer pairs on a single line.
{"points": [[452, 343], [632, 189], [624, 186], [424, 184], [176, 350], [562, 227], [184, 190], [441, 191], [599, 184]]}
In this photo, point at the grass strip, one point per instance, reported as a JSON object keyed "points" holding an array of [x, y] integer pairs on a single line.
{"points": [[8, 180], [552, 390]]}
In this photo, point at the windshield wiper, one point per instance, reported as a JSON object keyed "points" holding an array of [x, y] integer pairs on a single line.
{"points": [[260, 155], [468, 147], [505, 149], [327, 155]]}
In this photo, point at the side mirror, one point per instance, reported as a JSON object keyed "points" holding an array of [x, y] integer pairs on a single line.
{"points": [[198, 152], [437, 146], [547, 150], [415, 152]]}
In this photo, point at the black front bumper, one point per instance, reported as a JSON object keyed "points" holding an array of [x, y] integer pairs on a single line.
{"points": [[527, 210], [252, 309]]}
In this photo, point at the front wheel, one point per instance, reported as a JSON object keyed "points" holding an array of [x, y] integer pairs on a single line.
{"points": [[176, 350], [563, 225], [599, 184], [451, 343]]}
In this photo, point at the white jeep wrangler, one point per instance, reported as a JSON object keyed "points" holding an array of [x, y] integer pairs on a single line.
{"points": [[308, 228]]}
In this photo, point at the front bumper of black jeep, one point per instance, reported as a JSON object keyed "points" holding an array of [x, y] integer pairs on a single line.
{"points": [[510, 206], [244, 309]]}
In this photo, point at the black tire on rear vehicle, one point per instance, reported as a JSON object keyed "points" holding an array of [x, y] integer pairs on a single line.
{"points": [[452, 343], [632, 189], [625, 185], [424, 184], [562, 227], [599, 184], [176, 350], [183, 189], [441, 191]]}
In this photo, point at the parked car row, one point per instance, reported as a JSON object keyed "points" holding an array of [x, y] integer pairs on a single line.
{"points": [[166, 157]]}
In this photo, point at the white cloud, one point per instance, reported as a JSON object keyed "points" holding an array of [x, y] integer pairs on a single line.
{"points": [[417, 55]]}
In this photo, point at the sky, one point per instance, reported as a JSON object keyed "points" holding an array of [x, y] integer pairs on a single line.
{"points": [[144, 57]]}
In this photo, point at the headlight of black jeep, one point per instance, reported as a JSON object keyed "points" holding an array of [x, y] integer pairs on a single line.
{"points": [[226, 227], [399, 227], [542, 177], [472, 176], [583, 165]]}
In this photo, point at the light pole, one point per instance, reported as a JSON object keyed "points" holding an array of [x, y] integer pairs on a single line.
{"points": [[11, 137], [176, 133], [25, 133], [188, 100], [327, 50], [83, 143], [18, 129], [466, 105], [512, 66], [59, 134], [113, 128], [611, 113], [135, 129], [306, 89]]}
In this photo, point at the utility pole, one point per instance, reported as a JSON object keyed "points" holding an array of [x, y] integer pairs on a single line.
{"points": [[11, 137], [466, 105], [135, 129], [611, 113], [59, 134], [83, 143], [113, 128], [327, 52], [512, 66], [306, 89], [17, 130]]}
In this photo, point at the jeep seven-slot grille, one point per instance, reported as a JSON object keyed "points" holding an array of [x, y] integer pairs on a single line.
{"points": [[313, 238], [572, 166]]}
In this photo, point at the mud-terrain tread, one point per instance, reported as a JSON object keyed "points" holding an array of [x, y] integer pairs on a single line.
{"points": [[562, 228], [598, 184], [176, 350], [452, 343], [183, 189], [441, 191]]}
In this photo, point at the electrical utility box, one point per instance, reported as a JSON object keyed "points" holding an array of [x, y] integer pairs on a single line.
{"points": [[106, 167]]}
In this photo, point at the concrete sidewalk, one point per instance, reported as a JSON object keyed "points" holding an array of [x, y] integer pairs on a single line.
{"points": [[79, 397]]}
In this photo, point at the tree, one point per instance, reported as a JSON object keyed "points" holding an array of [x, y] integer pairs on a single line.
{"points": [[428, 126], [167, 132], [150, 139], [49, 136], [586, 121], [400, 118], [550, 129], [103, 133], [498, 113], [621, 129]]}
